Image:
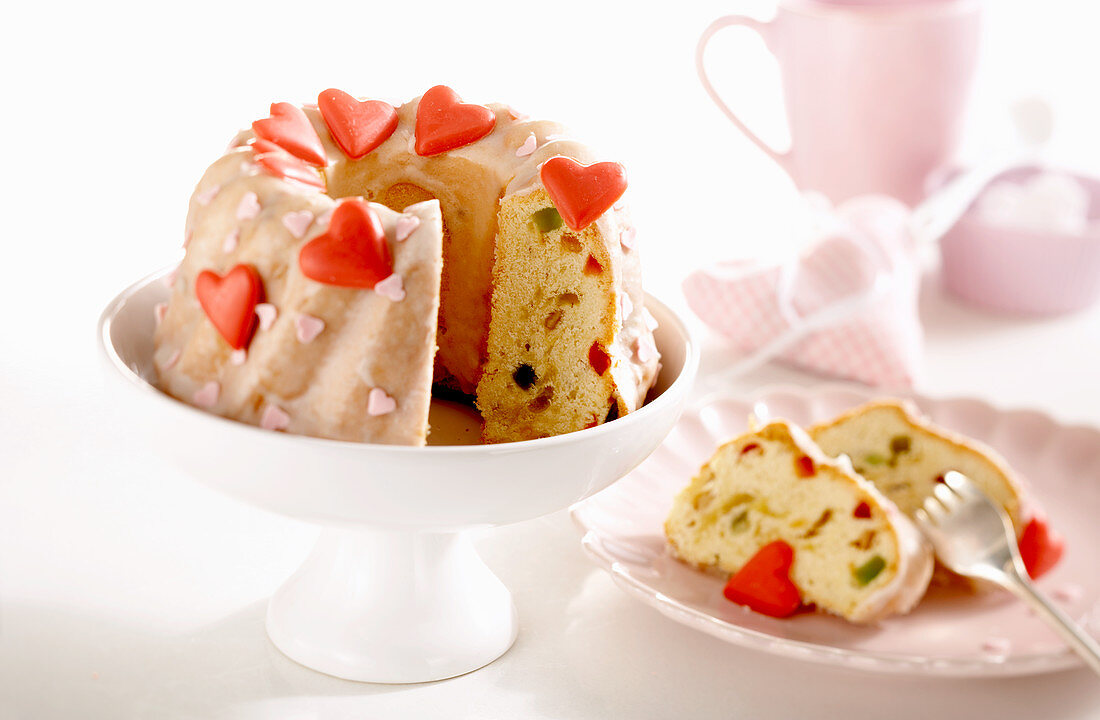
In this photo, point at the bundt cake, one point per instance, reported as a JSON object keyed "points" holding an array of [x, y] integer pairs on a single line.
{"points": [[793, 528], [905, 455], [541, 315]]}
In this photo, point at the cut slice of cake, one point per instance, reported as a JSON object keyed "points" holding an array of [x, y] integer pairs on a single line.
{"points": [[851, 552], [905, 456]]}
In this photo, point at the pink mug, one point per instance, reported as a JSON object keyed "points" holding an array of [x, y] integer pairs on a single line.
{"points": [[874, 91]]}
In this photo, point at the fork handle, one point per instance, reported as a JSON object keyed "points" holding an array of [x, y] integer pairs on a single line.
{"points": [[1071, 632]]}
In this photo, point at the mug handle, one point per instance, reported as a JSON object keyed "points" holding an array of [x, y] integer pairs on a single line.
{"points": [[763, 30]]}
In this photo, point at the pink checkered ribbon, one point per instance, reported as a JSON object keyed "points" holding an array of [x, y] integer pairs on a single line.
{"points": [[846, 307]]}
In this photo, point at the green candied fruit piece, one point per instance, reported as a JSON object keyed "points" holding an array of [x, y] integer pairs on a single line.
{"points": [[546, 220], [869, 570], [874, 459], [740, 523]]}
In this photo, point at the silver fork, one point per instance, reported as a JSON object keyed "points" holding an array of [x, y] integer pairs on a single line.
{"points": [[974, 537]]}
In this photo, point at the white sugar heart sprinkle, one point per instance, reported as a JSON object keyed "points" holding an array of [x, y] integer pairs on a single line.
{"points": [[267, 313], [308, 327], [379, 403], [159, 311], [249, 207], [405, 226], [237, 357], [626, 305], [207, 195], [619, 206], [297, 222], [529, 145], [172, 360], [207, 396], [650, 321], [645, 349], [231, 240], [627, 238], [391, 287], [274, 418]]}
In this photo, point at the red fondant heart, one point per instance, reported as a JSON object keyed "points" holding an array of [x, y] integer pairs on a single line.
{"points": [[764, 583], [582, 193], [284, 165], [444, 122], [357, 127], [1040, 547], [230, 302], [289, 128], [352, 253]]}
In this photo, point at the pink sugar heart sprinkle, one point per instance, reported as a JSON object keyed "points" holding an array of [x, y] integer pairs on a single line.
{"points": [[1068, 593], [207, 396], [231, 240], [379, 403], [274, 418], [267, 313], [406, 224], [172, 360], [529, 146], [237, 357], [308, 328], [645, 349], [996, 646], [627, 238], [170, 279], [391, 287], [249, 207], [160, 310], [297, 222], [186, 239], [619, 206], [650, 321], [208, 195]]}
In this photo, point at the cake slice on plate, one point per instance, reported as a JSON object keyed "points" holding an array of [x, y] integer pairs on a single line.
{"points": [[794, 527], [905, 455]]}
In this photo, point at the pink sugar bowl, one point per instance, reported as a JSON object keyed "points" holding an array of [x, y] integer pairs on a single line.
{"points": [[1029, 245]]}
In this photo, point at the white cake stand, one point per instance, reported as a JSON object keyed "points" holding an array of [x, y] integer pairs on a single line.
{"points": [[394, 591]]}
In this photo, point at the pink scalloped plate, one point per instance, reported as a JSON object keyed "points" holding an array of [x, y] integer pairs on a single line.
{"points": [[952, 632]]}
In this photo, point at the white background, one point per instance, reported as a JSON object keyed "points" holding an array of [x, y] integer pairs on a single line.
{"points": [[127, 590]]}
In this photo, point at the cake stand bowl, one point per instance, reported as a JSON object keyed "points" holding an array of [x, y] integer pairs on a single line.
{"points": [[393, 591]]}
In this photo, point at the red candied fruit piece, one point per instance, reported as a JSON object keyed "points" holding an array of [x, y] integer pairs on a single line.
{"points": [[1040, 547], [749, 448], [804, 467], [863, 510], [598, 358], [764, 585]]}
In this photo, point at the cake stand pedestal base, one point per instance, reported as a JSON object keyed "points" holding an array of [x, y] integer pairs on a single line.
{"points": [[392, 607]]}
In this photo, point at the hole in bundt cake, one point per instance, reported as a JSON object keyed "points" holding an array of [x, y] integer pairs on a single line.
{"points": [[568, 299], [525, 376], [571, 242], [592, 267], [401, 195], [740, 522], [612, 412], [542, 400]]}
